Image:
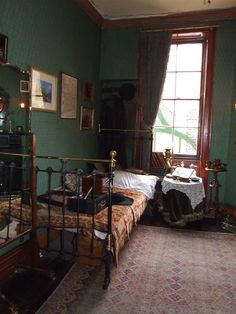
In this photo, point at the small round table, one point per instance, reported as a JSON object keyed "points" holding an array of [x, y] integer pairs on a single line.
{"points": [[183, 201]]}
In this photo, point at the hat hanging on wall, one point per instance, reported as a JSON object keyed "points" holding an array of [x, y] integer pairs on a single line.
{"points": [[127, 91]]}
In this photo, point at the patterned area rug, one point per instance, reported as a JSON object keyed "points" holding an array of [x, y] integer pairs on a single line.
{"points": [[160, 270]]}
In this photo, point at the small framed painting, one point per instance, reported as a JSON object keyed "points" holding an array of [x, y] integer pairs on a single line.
{"points": [[86, 118], [88, 91], [43, 91], [24, 86], [3, 48]]}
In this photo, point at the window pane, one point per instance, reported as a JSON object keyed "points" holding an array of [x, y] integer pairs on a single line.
{"points": [[178, 118], [189, 57], [169, 86], [172, 59], [186, 113], [188, 85], [165, 113], [185, 141], [162, 138]]}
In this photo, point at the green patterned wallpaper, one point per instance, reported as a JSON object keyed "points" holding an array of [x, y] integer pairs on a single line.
{"points": [[55, 36], [223, 126], [119, 54]]}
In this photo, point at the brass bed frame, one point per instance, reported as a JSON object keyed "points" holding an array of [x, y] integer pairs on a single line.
{"points": [[26, 252]]}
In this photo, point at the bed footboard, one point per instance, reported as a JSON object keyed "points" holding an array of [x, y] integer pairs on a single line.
{"points": [[74, 208]]}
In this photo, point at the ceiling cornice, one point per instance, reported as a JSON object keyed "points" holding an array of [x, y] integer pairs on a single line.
{"points": [[86, 6], [187, 17]]}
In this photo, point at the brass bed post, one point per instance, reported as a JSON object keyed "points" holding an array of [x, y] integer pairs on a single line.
{"points": [[33, 233], [137, 158], [33, 185], [108, 254], [36, 263]]}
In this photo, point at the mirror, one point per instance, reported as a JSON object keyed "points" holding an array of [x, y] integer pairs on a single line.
{"points": [[14, 139], [14, 99]]}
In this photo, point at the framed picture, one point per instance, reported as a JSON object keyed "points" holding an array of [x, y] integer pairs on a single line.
{"points": [[3, 48], [43, 91], [24, 86], [88, 91], [86, 118], [69, 87]]}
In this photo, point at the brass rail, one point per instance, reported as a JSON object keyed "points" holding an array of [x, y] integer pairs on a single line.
{"points": [[111, 160], [15, 154]]}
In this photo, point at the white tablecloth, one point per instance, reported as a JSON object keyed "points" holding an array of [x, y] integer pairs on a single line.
{"points": [[194, 190]]}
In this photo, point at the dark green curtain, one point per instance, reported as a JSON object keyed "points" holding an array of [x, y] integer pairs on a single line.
{"points": [[153, 58]]}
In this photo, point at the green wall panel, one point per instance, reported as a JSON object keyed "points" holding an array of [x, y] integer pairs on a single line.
{"points": [[119, 49], [230, 188], [223, 89]]}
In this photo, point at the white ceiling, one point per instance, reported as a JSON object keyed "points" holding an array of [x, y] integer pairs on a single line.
{"points": [[117, 9]]}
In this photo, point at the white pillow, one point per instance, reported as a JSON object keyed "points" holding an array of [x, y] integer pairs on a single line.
{"points": [[139, 182]]}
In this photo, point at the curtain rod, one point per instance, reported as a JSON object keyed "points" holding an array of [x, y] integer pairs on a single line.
{"points": [[153, 30]]}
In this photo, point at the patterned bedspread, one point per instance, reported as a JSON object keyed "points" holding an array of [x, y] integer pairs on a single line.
{"points": [[124, 218]]}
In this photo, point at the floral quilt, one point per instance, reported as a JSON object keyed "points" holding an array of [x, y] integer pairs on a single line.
{"points": [[124, 217]]}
